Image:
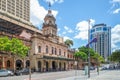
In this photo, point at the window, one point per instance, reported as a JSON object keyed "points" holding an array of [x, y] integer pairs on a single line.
{"points": [[104, 29], [52, 50], [64, 53], [39, 49], [98, 29], [59, 51], [55, 51], [46, 49]]}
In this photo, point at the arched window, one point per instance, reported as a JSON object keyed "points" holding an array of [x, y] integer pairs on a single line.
{"points": [[46, 49], [55, 51], [8, 63], [39, 49], [52, 50], [27, 63], [59, 51]]}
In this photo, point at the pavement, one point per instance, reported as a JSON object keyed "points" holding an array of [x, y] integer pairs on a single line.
{"points": [[103, 75], [69, 75]]}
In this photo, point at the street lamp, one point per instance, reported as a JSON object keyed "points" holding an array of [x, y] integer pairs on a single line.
{"points": [[88, 49], [30, 64]]}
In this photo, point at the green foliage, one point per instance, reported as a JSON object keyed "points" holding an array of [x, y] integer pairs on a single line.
{"points": [[85, 50], [14, 46], [98, 57], [69, 42], [115, 56], [81, 55], [5, 44]]}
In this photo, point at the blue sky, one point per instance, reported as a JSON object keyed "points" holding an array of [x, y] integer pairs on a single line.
{"points": [[72, 18]]}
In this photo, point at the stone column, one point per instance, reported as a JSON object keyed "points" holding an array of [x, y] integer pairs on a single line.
{"points": [[3, 62], [50, 65], [14, 62]]}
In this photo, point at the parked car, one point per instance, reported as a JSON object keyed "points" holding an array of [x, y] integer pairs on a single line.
{"points": [[4, 72], [24, 71], [92, 68]]}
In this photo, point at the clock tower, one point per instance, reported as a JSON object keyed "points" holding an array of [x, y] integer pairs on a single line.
{"points": [[49, 26]]}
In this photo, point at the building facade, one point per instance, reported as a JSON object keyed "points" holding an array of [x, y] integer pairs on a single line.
{"points": [[47, 50], [103, 34]]}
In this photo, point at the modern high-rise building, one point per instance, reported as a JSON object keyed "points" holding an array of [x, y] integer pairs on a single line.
{"points": [[19, 9], [103, 34]]}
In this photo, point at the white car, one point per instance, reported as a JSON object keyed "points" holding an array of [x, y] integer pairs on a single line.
{"points": [[6, 73]]}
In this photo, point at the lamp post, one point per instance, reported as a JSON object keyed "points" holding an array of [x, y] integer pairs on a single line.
{"points": [[88, 49], [29, 65]]}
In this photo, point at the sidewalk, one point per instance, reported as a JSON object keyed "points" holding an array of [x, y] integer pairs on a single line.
{"points": [[109, 75], [104, 75]]}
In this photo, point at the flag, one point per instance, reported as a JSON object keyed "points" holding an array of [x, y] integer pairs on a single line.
{"points": [[94, 40]]}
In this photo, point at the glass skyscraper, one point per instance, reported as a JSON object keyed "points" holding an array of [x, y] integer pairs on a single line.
{"points": [[103, 34]]}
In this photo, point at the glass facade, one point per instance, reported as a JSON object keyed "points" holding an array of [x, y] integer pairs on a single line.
{"points": [[103, 34]]}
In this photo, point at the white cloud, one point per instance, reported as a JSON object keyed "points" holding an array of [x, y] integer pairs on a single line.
{"points": [[116, 1], [54, 1], [116, 11], [38, 12], [66, 37], [63, 33], [115, 36], [68, 29], [65, 27], [82, 27], [58, 29]]}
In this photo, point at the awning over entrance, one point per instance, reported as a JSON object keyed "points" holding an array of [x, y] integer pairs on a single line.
{"points": [[57, 58]]}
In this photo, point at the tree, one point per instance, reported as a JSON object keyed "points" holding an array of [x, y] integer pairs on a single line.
{"points": [[115, 56], [69, 43], [85, 50], [5, 44], [81, 55], [98, 58], [13, 46]]}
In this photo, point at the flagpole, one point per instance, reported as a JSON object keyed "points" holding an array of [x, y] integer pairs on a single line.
{"points": [[88, 49]]}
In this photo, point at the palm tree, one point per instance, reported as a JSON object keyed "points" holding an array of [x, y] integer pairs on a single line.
{"points": [[69, 43]]}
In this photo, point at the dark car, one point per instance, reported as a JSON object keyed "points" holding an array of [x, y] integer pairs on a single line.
{"points": [[92, 68], [24, 71]]}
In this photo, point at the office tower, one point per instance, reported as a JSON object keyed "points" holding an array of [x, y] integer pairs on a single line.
{"points": [[19, 9], [103, 34]]}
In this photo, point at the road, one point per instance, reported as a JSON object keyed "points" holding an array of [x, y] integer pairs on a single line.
{"points": [[69, 75]]}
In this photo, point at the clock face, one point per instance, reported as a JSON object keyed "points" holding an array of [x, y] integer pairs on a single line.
{"points": [[47, 21]]}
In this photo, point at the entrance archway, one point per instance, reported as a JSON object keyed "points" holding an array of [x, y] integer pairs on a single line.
{"points": [[53, 65], [39, 66], [8, 64], [27, 64], [18, 64], [47, 66]]}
